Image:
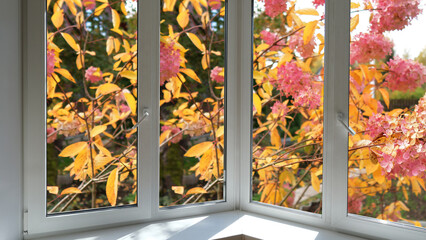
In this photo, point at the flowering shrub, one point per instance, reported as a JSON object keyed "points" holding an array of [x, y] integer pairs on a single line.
{"points": [[91, 99]]}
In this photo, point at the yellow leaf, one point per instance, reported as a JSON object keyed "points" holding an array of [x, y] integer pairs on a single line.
{"points": [[70, 40], [196, 190], [65, 73], [183, 18], [205, 62], [354, 22], [315, 182], [309, 31], [198, 150], [377, 175], [178, 189], [53, 189], [130, 101], [58, 18], [196, 41], [110, 45], [132, 75], [385, 95], [115, 19], [71, 6], [190, 73], [97, 130], [80, 161], [70, 190], [112, 187], [101, 161], [107, 88], [123, 8], [257, 103], [275, 137], [307, 11], [100, 9], [73, 149], [79, 61], [103, 149]]}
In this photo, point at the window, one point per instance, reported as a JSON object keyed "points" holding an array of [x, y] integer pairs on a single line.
{"points": [[233, 97]]}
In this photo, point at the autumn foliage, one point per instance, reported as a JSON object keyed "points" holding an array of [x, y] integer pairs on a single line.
{"points": [[91, 95]]}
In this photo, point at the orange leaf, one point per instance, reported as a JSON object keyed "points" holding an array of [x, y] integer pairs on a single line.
{"points": [[385, 95], [58, 18], [115, 19], [70, 190], [130, 101], [196, 41], [198, 150], [190, 73], [315, 182], [65, 73], [183, 18], [70, 40], [80, 161], [112, 187], [97, 130], [354, 22], [53, 189], [196, 190], [307, 11], [309, 31], [73, 149], [107, 88], [178, 189]]}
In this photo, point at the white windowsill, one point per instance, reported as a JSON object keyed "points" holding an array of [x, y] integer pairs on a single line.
{"points": [[213, 226]]}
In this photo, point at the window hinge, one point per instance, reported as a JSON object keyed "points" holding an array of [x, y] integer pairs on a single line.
{"points": [[25, 222], [145, 114]]}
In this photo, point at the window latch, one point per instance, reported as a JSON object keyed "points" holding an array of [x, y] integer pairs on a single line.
{"points": [[145, 114], [340, 118]]}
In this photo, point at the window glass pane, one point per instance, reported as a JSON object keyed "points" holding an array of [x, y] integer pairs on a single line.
{"points": [[91, 104], [288, 103], [192, 112], [387, 110]]}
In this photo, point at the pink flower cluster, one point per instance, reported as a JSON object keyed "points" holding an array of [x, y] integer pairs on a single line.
{"points": [[405, 74], [280, 109], [404, 152], [89, 4], [369, 46], [174, 130], [169, 61], [50, 61], [215, 75], [318, 3], [214, 4], [272, 39], [394, 14], [292, 81], [93, 74], [275, 7], [296, 43], [355, 203]]}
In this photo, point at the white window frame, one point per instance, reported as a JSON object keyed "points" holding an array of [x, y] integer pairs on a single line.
{"points": [[238, 132]]}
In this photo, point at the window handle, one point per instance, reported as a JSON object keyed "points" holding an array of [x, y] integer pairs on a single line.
{"points": [[145, 114], [340, 118]]}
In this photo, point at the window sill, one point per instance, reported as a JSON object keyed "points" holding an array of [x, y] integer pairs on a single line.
{"points": [[213, 226]]}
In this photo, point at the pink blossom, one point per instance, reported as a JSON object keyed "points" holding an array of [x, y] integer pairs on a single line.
{"points": [[355, 203], [318, 3], [280, 109], [93, 74], [174, 130], [296, 43], [124, 108], [214, 4], [369, 46], [51, 134], [394, 14], [216, 76], [50, 62], [89, 4], [169, 61], [405, 74], [292, 81], [377, 125], [275, 7], [272, 39]]}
